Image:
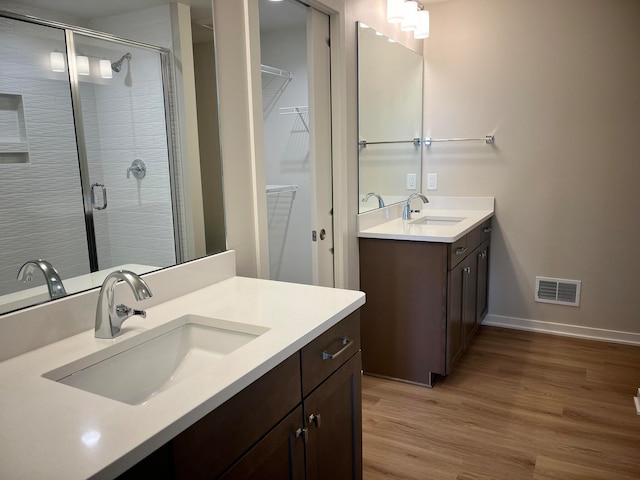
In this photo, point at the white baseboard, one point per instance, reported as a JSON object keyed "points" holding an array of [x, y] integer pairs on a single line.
{"points": [[614, 336]]}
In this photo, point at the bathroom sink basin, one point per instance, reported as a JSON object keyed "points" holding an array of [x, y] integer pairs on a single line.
{"points": [[444, 221], [153, 363]]}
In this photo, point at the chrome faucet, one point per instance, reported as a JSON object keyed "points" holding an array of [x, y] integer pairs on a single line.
{"points": [[374, 194], [406, 212], [51, 275], [109, 316]]}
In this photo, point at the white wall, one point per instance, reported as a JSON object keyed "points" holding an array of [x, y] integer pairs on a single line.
{"points": [[557, 82], [209, 141], [287, 160]]}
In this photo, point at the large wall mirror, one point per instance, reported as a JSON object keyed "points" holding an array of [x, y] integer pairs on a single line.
{"points": [[109, 144], [390, 83]]}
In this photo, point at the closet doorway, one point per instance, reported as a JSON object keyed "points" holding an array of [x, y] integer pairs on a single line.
{"points": [[296, 101]]}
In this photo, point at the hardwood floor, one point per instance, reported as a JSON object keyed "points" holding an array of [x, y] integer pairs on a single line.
{"points": [[519, 405]]}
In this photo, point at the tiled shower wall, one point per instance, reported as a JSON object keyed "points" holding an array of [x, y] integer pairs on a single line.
{"points": [[124, 120], [41, 212]]}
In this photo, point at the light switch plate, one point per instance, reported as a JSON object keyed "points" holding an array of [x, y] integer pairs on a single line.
{"points": [[432, 181], [412, 179]]}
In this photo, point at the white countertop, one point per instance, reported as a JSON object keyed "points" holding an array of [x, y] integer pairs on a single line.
{"points": [[387, 223], [50, 430]]}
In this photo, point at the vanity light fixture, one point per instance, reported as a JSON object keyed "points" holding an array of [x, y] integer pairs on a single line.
{"points": [[411, 15], [422, 25], [82, 65], [105, 69], [410, 11], [394, 11], [57, 62]]}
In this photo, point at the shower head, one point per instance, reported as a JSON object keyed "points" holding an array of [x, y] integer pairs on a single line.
{"points": [[117, 66]]}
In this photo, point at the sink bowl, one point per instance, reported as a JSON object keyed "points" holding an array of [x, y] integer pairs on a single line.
{"points": [[444, 221], [154, 364]]}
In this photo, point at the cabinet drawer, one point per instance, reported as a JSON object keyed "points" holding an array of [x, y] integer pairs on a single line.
{"points": [[486, 229], [208, 447], [474, 238], [457, 252], [329, 351]]}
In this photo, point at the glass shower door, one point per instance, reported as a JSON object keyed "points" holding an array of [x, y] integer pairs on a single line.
{"points": [[122, 102], [41, 215]]}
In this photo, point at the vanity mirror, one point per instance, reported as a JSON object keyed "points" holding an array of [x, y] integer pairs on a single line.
{"points": [[100, 166], [390, 83]]}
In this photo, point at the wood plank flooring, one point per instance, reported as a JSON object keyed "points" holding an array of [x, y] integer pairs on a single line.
{"points": [[519, 405]]}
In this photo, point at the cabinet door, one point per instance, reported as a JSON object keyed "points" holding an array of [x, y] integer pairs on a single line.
{"points": [[483, 282], [454, 316], [215, 442], [279, 455], [469, 294], [333, 413]]}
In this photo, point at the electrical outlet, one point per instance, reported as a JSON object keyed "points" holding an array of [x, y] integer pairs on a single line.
{"points": [[432, 181], [412, 179]]}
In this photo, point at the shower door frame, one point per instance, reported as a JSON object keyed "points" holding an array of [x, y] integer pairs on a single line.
{"points": [[169, 111]]}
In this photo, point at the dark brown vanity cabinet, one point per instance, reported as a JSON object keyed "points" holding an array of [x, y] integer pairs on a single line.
{"points": [[425, 301], [301, 420]]}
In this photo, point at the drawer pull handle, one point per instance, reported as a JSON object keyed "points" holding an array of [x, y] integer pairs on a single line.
{"points": [[461, 250], [330, 356], [487, 229], [467, 270]]}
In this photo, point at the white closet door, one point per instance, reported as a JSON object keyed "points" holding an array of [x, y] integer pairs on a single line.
{"points": [[320, 145]]}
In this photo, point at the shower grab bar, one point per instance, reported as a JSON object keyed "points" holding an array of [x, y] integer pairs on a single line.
{"points": [[487, 139], [104, 196]]}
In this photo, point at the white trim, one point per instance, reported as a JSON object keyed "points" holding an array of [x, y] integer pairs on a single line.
{"points": [[576, 331]]}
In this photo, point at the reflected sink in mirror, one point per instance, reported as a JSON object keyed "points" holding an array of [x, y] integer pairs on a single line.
{"points": [[442, 221], [153, 365]]}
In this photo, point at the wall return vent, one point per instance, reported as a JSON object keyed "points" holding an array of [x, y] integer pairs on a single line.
{"points": [[558, 290]]}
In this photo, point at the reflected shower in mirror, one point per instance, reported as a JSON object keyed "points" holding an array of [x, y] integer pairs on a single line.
{"points": [[390, 82], [98, 170]]}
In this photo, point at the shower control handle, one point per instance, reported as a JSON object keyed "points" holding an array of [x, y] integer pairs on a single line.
{"points": [[138, 168], [93, 196]]}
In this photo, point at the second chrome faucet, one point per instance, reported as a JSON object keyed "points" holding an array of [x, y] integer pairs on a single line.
{"points": [[406, 211], [109, 316]]}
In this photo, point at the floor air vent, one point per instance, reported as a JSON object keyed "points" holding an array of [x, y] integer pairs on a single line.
{"points": [[557, 290]]}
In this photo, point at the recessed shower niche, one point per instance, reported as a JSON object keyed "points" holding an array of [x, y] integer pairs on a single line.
{"points": [[14, 145]]}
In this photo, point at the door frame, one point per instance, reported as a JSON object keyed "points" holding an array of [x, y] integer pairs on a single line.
{"points": [[236, 29]]}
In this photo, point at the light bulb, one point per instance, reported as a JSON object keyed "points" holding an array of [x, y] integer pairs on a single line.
{"points": [[57, 62], [105, 69], [394, 11], [422, 25], [82, 65], [410, 10]]}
